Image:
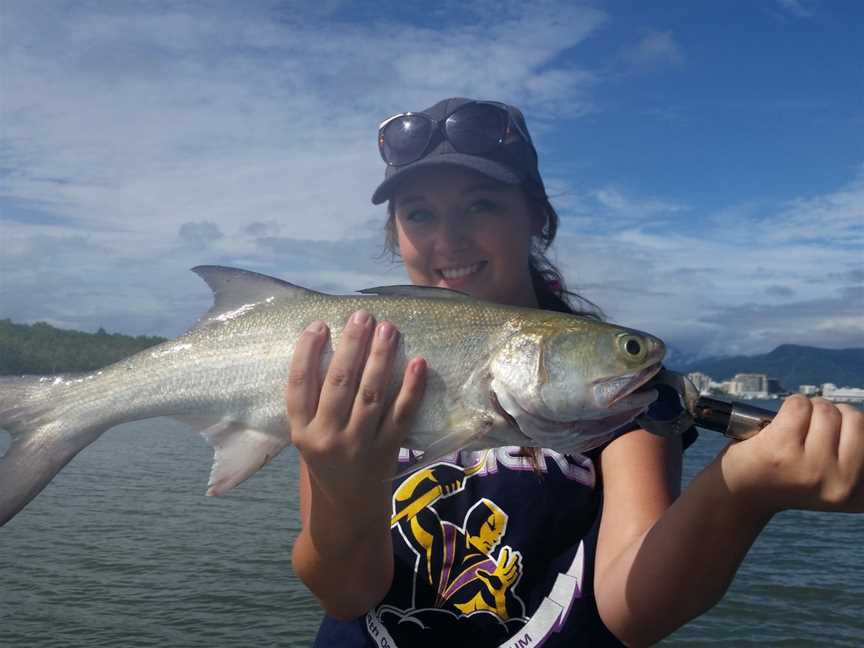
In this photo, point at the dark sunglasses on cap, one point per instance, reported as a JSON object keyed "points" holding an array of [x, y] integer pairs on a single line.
{"points": [[474, 128]]}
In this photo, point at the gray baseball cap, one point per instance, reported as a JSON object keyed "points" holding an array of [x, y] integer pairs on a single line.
{"points": [[514, 161]]}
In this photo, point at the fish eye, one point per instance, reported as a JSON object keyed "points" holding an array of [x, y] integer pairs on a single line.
{"points": [[633, 347]]}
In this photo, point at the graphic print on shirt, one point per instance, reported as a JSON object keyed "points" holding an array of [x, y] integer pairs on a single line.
{"points": [[463, 567], [468, 577]]}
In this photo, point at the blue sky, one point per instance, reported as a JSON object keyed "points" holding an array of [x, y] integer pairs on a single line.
{"points": [[707, 158]]}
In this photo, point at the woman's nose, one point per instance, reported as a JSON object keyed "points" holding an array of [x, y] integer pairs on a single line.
{"points": [[454, 233]]}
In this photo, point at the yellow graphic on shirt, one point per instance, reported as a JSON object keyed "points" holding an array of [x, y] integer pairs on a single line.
{"points": [[457, 565]]}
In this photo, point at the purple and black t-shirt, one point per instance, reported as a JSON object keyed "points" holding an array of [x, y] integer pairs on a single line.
{"points": [[491, 550]]}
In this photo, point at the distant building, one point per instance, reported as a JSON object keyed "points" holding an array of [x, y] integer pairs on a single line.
{"points": [[725, 387], [751, 382], [831, 392], [808, 390], [701, 381], [746, 385]]}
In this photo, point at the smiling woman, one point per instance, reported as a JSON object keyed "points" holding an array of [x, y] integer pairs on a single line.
{"points": [[473, 547]]}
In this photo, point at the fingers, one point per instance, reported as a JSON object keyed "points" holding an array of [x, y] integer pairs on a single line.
{"points": [[794, 418], [851, 453], [851, 435], [369, 403], [401, 413], [511, 569], [340, 383], [834, 451], [303, 387], [823, 435], [452, 487], [504, 558], [353, 397]]}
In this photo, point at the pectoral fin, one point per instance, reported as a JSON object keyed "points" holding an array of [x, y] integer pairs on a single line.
{"points": [[239, 451], [463, 432]]}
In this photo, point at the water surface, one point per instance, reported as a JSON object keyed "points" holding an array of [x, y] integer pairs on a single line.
{"points": [[123, 549]]}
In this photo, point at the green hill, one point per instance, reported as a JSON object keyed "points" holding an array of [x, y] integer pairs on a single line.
{"points": [[792, 365], [42, 349]]}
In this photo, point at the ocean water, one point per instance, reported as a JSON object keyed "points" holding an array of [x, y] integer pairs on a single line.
{"points": [[123, 549], [802, 583]]}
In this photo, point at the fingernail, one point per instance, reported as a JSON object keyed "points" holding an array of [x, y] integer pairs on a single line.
{"points": [[315, 327], [386, 330], [360, 317]]}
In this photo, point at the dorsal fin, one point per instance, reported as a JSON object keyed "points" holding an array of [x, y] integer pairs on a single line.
{"points": [[423, 292], [236, 290]]}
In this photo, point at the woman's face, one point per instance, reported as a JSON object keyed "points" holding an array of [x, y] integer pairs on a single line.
{"points": [[458, 229]]}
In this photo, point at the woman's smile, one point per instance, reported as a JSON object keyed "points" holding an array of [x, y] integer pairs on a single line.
{"points": [[456, 276]]}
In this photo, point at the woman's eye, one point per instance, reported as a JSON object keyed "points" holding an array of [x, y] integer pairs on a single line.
{"points": [[482, 205], [419, 216]]}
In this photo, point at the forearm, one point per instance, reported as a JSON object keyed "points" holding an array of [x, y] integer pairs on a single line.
{"points": [[682, 565], [344, 558]]}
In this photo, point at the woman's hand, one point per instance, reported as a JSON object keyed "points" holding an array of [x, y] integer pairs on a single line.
{"points": [[647, 585], [346, 431], [811, 457], [348, 436]]}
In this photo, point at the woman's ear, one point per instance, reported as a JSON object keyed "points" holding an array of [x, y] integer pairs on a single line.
{"points": [[538, 221]]}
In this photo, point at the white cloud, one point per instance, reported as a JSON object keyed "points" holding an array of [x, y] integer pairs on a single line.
{"points": [[128, 127], [796, 8], [653, 50], [139, 141], [160, 118], [749, 278]]}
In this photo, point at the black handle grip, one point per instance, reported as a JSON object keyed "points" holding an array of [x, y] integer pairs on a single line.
{"points": [[734, 419]]}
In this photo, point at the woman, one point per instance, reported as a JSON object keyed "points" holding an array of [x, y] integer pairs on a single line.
{"points": [[502, 548]]}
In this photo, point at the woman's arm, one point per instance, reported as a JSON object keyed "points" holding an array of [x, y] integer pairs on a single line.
{"points": [[654, 576], [348, 438]]}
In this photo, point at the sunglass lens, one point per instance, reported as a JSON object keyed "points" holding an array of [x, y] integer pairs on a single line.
{"points": [[476, 128], [404, 140]]}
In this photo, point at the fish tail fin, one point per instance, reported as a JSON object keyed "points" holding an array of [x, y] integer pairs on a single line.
{"points": [[45, 437]]}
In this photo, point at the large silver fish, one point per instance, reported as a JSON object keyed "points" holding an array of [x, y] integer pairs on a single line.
{"points": [[497, 375]]}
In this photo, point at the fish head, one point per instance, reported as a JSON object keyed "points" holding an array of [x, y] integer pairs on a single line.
{"points": [[569, 380], [595, 370]]}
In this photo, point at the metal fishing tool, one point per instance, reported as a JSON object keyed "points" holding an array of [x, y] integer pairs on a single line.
{"points": [[680, 406]]}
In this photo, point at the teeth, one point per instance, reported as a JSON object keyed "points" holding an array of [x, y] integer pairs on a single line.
{"points": [[456, 273]]}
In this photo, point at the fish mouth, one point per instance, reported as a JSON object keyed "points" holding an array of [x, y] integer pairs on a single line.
{"points": [[574, 436], [614, 391], [617, 402]]}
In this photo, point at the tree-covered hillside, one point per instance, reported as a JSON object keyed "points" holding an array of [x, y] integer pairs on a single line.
{"points": [[42, 349]]}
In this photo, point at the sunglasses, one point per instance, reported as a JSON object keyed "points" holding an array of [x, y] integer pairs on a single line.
{"points": [[475, 128]]}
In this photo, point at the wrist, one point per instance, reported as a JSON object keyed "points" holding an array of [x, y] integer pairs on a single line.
{"points": [[748, 503], [336, 527]]}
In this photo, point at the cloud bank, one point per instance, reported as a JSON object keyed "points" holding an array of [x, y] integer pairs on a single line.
{"points": [[141, 139]]}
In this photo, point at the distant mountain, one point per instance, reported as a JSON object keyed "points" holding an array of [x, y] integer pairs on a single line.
{"points": [[791, 364], [676, 359]]}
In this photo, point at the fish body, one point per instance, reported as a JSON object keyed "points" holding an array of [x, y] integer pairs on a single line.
{"points": [[497, 375]]}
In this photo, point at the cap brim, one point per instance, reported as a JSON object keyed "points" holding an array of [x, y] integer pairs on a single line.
{"points": [[489, 168]]}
